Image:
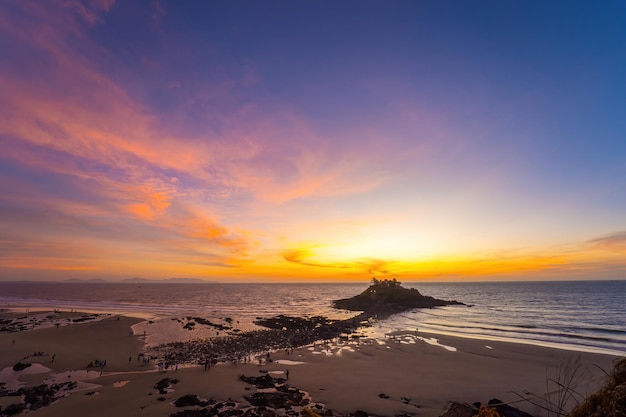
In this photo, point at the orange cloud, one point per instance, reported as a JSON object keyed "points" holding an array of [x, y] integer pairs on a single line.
{"points": [[142, 211], [300, 256]]}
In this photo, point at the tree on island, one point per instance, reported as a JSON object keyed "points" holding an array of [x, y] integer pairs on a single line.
{"points": [[392, 283]]}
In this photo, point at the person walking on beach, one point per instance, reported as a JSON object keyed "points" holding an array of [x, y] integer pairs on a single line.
{"points": [[287, 374]]}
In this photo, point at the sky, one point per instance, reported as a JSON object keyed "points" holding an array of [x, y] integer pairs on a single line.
{"points": [[312, 141]]}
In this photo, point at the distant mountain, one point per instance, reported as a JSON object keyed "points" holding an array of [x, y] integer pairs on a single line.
{"points": [[83, 281], [165, 281]]}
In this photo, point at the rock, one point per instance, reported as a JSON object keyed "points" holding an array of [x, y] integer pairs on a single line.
{"points": [[280, 399], [164, 384], [383, 396], [13, 409], [505, 410], [265, 381], [360, 413], [455, 409], [21, 366], [281, 322], [190, 400]]}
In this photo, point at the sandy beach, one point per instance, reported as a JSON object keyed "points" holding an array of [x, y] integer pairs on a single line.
{"points": [[419, 373]]}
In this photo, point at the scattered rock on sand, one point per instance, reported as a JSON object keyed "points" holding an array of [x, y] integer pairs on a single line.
{"points": [[505, 410], [163, 385], [265, 381], [494, 406]]}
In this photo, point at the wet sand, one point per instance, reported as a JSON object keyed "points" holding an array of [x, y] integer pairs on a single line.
{"points": [[419, 378]]}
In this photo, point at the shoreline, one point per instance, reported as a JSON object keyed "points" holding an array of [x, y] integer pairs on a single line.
{"points": [[376, 332], [405, 365], [521, 312]]}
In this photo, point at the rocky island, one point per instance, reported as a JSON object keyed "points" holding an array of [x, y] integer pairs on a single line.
{"points": [[386, 297]]}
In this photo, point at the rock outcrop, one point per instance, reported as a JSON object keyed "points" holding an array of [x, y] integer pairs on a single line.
{"points": [[386, 297]]}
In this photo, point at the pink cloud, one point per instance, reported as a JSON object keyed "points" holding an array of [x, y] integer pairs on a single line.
{"points": [[84, 127], [612, 242]]}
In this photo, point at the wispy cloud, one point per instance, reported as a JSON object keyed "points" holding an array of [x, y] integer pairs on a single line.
{"points": [[371, 266], [301, 257], [612, 242]]}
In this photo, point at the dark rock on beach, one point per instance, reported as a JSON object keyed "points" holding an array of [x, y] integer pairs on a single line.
{"points": [[279, 400], [163, 385], [494, 407], [455, 409], [282, 398], [33, 398], [193, 320], [265, 381], [282, 322], [13, 409], [191, 400], [21, 366], [505, 410]]}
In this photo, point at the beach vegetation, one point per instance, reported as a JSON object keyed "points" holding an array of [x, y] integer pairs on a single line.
{"points": [[562, 395], [561, 392], [485, 411], [609, 400]]}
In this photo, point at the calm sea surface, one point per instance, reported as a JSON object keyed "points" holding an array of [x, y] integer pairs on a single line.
{"points": [[579, 315]]}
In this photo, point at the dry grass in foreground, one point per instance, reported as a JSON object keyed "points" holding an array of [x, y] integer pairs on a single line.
{"points": [[610, 400]]}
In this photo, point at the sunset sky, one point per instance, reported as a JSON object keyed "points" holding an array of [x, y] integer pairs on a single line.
{"points": [[301, 140]]}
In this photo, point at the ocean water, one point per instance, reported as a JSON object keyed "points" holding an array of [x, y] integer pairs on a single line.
{"points": [[576, 315]]}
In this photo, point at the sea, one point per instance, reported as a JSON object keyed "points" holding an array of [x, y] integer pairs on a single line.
{"points": [[585, 316]]}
